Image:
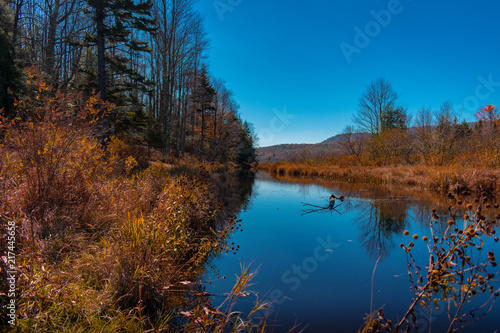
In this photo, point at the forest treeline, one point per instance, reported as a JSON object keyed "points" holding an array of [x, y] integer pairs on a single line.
{"points": [[147, 58], [433, 149], [385, 133]]}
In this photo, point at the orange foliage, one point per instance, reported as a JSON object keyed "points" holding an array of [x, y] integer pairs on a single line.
{"points": [[489, 113], [52, 155], [490, 116]]}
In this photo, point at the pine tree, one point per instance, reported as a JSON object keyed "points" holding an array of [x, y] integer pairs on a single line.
{"points": [[394, 118], [247, 145], [117, 23], [203, 97]]}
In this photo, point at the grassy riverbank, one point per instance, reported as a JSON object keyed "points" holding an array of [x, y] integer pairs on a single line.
{"points": [[109, 251], [105, 235], [443, 179]]}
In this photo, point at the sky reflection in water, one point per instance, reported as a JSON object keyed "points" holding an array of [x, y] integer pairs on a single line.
{"points": [[318, 266]]}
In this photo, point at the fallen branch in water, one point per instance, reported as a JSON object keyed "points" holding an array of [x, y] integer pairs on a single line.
{"points": [[319, 208]]}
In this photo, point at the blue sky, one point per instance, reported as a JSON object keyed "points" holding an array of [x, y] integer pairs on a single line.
{"points": [[298, 68]]}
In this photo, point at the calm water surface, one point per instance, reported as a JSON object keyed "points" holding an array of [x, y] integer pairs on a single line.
{"points": [[318, 266]]}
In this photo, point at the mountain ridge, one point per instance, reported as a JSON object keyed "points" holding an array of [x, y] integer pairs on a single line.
{"points": [[290, 151]]}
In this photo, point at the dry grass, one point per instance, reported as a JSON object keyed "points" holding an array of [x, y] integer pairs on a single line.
{"points": [[100, 245], [457, 180]]}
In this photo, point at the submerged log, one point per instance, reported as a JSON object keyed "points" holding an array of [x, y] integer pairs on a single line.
{"points": [[331, 205]]}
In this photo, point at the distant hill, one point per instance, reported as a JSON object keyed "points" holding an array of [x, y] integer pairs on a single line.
{"points": [[286, 152], [292, 151], [337, 138], [334, 139]]}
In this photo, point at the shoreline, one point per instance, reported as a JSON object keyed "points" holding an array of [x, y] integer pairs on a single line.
{"points": [[454, 180]]}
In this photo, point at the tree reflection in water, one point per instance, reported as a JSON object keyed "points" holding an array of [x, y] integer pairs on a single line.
{"points": [[384, 210], [379, 221], [376, 215], [234, 193]]}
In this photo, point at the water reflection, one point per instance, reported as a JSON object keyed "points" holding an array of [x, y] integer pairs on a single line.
{"points": [[382, 212], [334, 295], [234, 194], [378, 221]]}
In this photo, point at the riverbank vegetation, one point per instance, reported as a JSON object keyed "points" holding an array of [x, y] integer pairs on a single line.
{"points": [[113, 137], [435, 150], [97, 240], [437, 178]]}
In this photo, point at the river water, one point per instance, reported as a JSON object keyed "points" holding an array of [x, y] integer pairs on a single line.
{"points": [[317, 266]]}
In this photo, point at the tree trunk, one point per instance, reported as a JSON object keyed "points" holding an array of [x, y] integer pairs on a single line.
{"points": [[101, 68], [51, 44], [15, 31], [101, 52]]}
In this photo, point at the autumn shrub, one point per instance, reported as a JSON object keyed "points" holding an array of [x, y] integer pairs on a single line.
{"points": [[348, 161], [216, 167], [123, 156], [51, 156], [390, 146], [52, 170]]}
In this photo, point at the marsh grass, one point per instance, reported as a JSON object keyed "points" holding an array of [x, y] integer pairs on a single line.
{"points": [[448, 179], [225, 318]]}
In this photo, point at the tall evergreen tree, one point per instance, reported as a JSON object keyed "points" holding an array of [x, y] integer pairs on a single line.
{"points": [[247, 145], [204, 96], [117, 24], [394, 118]]}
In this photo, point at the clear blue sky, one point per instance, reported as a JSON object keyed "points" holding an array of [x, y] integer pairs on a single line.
{"points": [[284, 61]]}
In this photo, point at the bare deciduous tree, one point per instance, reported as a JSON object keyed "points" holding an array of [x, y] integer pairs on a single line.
{"points": [[179, 47], [353, 142], [376, 102], [424, 132], [446, 136]]}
